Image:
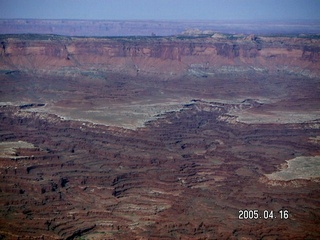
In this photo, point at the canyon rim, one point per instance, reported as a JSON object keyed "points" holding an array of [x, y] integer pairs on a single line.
{"points": [[160, 137]]}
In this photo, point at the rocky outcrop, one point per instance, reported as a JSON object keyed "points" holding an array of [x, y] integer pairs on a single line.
{"points": [[185, 173], [202, 56]]}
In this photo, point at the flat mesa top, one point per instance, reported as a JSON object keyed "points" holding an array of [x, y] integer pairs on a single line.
{"points": [[154, 28], [298, 168]]}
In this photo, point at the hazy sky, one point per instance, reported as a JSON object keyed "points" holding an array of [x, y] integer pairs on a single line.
{"points": [[162, 9]]}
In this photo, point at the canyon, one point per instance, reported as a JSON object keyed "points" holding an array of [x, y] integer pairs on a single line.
{"points": [[159, 137]]}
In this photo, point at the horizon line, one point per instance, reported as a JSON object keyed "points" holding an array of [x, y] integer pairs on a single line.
{"points": [[167, 20]]}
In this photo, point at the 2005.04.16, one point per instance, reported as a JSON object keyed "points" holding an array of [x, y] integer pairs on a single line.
{"points": [[265, 214]]}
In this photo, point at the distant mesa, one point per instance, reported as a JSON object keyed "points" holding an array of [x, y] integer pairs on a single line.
{"points": [[149, 28]]}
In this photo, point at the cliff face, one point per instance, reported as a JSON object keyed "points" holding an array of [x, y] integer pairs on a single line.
{"points": [[88, 151], [170, 56]]}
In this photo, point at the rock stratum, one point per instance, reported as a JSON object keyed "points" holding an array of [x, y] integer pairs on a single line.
{"points": [[159, 137], [206, 55]]}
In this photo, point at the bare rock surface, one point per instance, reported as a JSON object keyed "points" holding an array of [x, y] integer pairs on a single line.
{"points": [[159, 138]]}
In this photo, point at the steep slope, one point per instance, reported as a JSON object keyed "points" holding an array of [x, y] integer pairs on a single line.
{"points": [[159, 138], [205, 55]]}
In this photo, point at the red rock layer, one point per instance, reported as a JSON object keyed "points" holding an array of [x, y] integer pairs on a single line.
{"points": [[186, 175], [165, 56]]}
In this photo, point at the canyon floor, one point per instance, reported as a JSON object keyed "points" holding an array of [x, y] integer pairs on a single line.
{"points": [[107, 155]]}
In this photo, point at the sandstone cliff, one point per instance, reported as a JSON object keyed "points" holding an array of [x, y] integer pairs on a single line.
{"points": [[172, 56], [87, 151]]}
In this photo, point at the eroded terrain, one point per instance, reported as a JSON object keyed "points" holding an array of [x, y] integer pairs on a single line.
{"points": [[171, 150]]}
